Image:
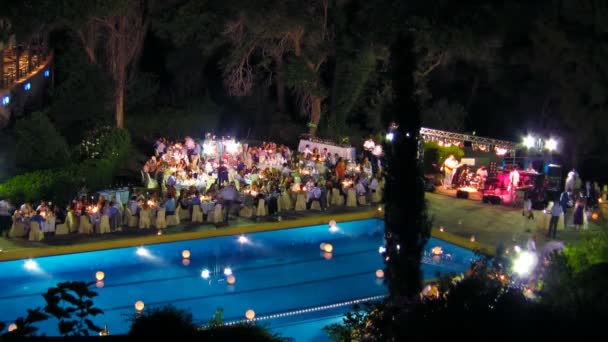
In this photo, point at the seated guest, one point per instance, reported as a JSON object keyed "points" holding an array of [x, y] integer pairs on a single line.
{"points": [[169, 205], [314, 194], [38, 218], [133, 205]]}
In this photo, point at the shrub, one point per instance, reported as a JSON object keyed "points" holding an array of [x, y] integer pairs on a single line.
{"points": [[435, 155], [61, 184], [39, 144], [158, 321]]}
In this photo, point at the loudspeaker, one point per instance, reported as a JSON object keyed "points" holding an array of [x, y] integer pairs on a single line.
{"points": [[492, 199], [462, 194]]}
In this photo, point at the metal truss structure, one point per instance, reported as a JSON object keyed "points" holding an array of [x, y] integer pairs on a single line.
{"points": [[429, 134]]}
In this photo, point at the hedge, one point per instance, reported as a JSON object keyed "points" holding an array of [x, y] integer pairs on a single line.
{"points": [[62, 184]]}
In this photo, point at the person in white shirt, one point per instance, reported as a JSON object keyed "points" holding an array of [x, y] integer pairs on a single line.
{"points": [[314, 194], [531, 244], [449, 167]]}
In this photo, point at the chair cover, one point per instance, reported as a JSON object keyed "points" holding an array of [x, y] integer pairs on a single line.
{"points": [[35, 233], [104, 224], [261, 210], [286, 201], [246, 211], [85, 226], [197, 214], [172, 220], [17, 229], [301, 202], [336, 197], [351, 198], [160, 219], [144, 219], [131, 220], [61, 229], [49, 226], [71, 222], [315, 205], [183, 214], [377, 196], [217, 216], [362, 200]]}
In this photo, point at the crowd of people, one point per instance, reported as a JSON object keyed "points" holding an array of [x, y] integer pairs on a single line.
{"points": [[185, 179]]}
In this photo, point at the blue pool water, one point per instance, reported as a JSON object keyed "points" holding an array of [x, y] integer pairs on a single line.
{"points": [[282, 275]]}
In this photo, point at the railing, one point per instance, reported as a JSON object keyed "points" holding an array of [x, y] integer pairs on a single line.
{"points": [[28, 66]]}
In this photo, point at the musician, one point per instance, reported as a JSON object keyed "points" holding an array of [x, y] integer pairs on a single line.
{"points": [[482, 173], [449, 166]]}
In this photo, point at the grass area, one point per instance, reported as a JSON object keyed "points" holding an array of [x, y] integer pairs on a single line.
{"points": [[495, 224], [490, 225]]}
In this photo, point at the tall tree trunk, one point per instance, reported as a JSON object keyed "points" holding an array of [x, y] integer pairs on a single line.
{"points": [[280, 84], [315, 115], [1, 69], [119, 99]]}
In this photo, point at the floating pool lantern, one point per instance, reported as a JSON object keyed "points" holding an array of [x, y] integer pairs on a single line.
{"points": [[185, 262], [186, 254], [326, 247], [205, 274], [250, 315], [139, 306], [333, 227], [100, 275], [231, 280], [12, 327], [437, 250], [379, 274]]}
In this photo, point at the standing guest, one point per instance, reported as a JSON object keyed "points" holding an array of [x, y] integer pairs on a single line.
{"points": [[527, 212], [222, 173], [578, 215], [531, 244], [114, 214], [565, 201], [229, 195], [169, 205], [556, 212]]}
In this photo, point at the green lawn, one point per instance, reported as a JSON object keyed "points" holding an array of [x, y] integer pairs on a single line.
{"points": [[493, 224]]}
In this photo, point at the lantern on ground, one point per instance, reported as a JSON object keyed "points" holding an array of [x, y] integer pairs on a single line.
{"points": [[250, 315], [139, 306], [595, 216], [100, 275], [472, 239], [12, 327]]}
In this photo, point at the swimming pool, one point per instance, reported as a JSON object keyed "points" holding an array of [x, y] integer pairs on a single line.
{"points": [[282, 275]]}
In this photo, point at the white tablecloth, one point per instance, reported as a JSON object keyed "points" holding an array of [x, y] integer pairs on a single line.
{"points": [[344, 152], [122, 194]]}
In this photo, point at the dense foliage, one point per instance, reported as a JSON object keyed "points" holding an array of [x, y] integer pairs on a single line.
{"points": [[39, 144], [62, 184]]}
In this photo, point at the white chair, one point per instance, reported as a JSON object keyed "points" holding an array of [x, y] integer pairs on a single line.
{"points": [[351, 198], [197, 214], [144, 219], [160, 219], [35, 233], [49, 226], [104, 224], [17, 229], [300, 202], [261, 210], [85, 226]]}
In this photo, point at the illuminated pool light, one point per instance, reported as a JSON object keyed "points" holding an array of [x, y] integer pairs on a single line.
{"points": [[227, 271], [31, 265], [143, 252], [243, 239]]}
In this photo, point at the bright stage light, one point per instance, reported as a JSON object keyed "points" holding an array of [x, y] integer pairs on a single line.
{"points": [[525, 263], [205, 274], [529, 141], [551, 144]]}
